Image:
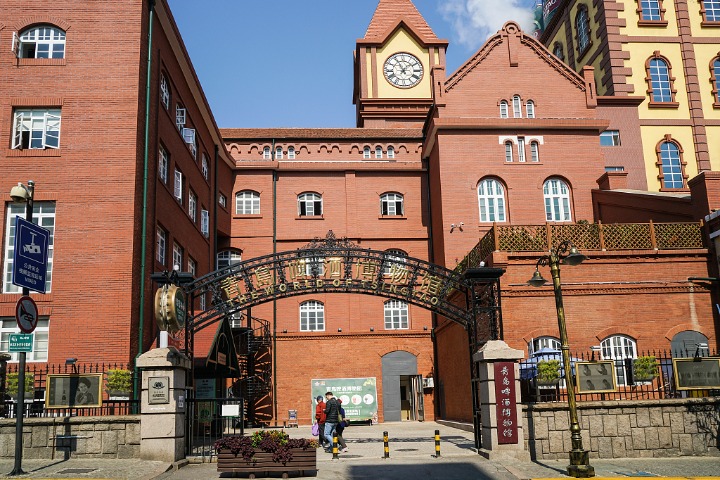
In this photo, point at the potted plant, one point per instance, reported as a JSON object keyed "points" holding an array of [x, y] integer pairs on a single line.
{"points": [[119, 384], [265, 451], [548, 372], [11, 387], [645, 368]]}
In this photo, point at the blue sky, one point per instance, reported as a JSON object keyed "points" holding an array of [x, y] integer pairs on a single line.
{"points": [[289, 63]]}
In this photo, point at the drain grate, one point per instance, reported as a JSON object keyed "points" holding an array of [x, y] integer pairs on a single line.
{"points": [[405, 449], [76, 471]]}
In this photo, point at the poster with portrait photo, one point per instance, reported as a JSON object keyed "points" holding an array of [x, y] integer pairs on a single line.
{"points": [[595, 377], [74, 390]]}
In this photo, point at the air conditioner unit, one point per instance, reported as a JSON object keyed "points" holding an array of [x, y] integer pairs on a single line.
{"points": [[428, 382]]}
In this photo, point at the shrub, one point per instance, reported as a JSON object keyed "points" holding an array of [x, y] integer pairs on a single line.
{"points": [[548, 371], [11, 385], [276, 442], [645, 368], [119, 380]]}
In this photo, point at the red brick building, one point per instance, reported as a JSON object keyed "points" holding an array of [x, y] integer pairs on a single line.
{"points": [[485, 159]]}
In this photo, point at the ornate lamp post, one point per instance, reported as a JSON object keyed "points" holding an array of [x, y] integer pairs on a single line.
{"points": [[567, 254]]}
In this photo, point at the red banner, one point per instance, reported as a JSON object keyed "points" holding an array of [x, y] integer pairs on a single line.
{"points": [[506, 408]]}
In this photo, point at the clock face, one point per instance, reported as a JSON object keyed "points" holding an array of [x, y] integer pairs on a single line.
{"points": [[403, 70]]}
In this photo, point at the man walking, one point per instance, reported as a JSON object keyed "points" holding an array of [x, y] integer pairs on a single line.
{"points": [[332, 414]]}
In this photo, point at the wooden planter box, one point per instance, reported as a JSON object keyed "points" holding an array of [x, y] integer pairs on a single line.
{"points": [[261, 463]]}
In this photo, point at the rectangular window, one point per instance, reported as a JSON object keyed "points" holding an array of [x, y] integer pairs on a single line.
{"points": [[37, 128], [192, 266], [192, 206], [205, 222], [222, 200], [614, 169], [610, 138], [521, 149], [164, 92], [204, 166], [44, 216], [189, 137], [178, 185], [179, 117], [163, 162], [39, 351], [160, 247], [177, 256]]}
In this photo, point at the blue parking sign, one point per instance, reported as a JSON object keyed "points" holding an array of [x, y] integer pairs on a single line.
{"points": [[30, 256]]}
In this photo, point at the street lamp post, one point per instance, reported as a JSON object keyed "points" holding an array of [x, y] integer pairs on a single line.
{"points": [[567, 254], [21, 193]]}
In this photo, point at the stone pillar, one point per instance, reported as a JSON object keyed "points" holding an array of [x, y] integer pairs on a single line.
{"points": [[162, 403], [500, 406]]}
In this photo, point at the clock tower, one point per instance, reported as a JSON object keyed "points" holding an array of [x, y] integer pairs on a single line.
{"points": [[397, 64]]}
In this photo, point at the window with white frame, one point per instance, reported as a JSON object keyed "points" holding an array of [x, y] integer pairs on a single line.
{"points": [[192, 266], [672, 174], [291, 153], [40, 339], [44, 216], [491, 198], [267, 155], [610, 138], [557, 200], [366, 152], [203, 302], [390, 152], [391, 204], [247, 202], [222, 200], [310, 205], [164, 91], [204, 222], [650, 10], [204, 167], [278, 153], [503, 109], [192, 206], [711, 10], [227, 258], [508, 151], [163, 162], [517, 106], [42, 41], [396, 315], [180, 117], [160, 247], [190, 140], [530, 109], [36, 128], [314, 266], [178, 185], [540, 343], [534, 151], [521, 149], [378, 152], [582, 28], [177, 256], [393, 257], [312, 316], [618, 348]]}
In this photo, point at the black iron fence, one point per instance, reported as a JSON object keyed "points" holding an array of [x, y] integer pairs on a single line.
{"points": [[36, 391], [648, 376], [210, 419]]}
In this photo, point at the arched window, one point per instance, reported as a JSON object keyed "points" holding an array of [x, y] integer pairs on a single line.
{"points": [[266, 153], [503, 109], [530, 109], [710, 10], [670, 165], [42, 41], [517, 107], [247, 202], [378, 152], [393, 257], [582, 28], [390, 152], [521, 149], [278, 153], [534, 151], [312, 316], [557, 200], [508, 151], [491, 199], [227, 258], [310, 205], [391, 204], [396, 315], [715, 80], [651, 10], [618, 348], [366, 152], [540, 343], [558, 51], [659, 79], [291, 153]]}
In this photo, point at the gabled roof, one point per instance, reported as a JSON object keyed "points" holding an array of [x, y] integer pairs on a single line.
{"points": [[390, 13]]}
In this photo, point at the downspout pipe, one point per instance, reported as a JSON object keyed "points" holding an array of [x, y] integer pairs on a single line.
{"points": [[143, 235], [275, 412]]}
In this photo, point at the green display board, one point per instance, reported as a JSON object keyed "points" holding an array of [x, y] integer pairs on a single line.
{"points": [[358, 395]]}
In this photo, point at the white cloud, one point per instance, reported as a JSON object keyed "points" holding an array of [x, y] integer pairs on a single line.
{"points": [[475, 20]]}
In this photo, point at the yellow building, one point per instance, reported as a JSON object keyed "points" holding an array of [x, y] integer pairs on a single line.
{"points": [[663, 57]]}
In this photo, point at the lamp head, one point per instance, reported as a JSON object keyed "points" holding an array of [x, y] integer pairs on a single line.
{"points": [[574, 257], [19, 193], [537, 279]]}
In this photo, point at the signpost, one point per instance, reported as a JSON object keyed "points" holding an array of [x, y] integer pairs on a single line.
{"points": [[21, 342], [26, 314], [30, 255]]}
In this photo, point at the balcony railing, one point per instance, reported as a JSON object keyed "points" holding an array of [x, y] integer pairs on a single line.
{"points": [[585, 236]]}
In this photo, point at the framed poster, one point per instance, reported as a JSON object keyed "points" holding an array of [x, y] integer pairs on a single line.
{"points": [[74, 390], [696, 373], [358, 395], [595, 377]]}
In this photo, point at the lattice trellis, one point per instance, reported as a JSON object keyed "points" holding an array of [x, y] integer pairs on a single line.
{"points": [[522, 238], [627, 236], [677, 235], [585, 236]]}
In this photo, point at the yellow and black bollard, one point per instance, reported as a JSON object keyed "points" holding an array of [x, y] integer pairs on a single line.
{"points": [[437, 443], [385, 445], [335, 446]]}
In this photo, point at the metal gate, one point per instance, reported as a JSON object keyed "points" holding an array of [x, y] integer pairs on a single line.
{"points": [[209, 419]]}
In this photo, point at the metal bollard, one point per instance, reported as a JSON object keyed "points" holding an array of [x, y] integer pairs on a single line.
{"points": [[437, 443], [335, 447], [385, 445]]}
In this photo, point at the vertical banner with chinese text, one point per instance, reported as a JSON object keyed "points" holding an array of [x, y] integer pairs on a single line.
{"points": [[507, 427]]}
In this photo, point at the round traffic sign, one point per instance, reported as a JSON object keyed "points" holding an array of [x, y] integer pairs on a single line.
{"points": [[26, 314]]}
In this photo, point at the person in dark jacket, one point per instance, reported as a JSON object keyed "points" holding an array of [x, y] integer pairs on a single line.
{"points": [[320, 419], [341, 427], [332, 414]]}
